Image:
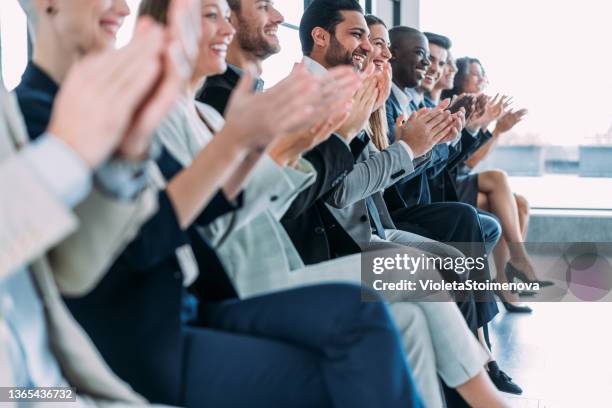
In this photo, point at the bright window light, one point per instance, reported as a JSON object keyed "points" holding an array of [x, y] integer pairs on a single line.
{"points": [[552, 56], [13, 26]]}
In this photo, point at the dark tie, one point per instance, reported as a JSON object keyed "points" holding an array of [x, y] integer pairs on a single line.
{"points": [[375, 218]]}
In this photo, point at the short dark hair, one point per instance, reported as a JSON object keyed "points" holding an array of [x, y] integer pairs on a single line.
{"points": [[396, 34], [156, 9], [439, 40], [372, 20], [234, 5], [325, 14]]}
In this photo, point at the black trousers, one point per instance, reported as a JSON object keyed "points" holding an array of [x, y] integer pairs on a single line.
{"points": [[471, 231]]}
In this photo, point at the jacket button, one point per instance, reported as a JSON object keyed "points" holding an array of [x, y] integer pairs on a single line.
{"points": [[319, 230], [273, 198], [363, 218], [177, 275]]}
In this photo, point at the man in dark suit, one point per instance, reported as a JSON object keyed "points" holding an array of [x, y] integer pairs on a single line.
{"points": [[413, 201], [410, 201]]}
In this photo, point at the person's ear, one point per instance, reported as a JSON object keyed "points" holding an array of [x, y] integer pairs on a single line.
{"points": [[234, 20], [393, 57], [320, 37]]}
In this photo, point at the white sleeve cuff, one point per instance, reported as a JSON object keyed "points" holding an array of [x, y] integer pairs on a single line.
{"points": [[408, 149]]}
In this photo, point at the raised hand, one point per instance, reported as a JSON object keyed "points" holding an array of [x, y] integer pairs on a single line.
{"points": [[465, 101], [253, 120], [120, 80], [363, 105], [178, 58], [426, 128], [336, 100], [287, 149], [509, 120], [493, 110], [384, 86]]}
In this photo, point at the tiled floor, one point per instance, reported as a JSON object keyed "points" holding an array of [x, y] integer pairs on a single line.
{"points": [[561, 355]]}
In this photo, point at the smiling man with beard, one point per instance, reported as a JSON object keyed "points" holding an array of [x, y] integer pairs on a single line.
{"points": [[256, 23], [337, 35]]}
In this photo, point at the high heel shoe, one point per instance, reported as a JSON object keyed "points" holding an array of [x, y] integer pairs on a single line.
{"points": [[510, 308], [502, 381], [512, 272]]}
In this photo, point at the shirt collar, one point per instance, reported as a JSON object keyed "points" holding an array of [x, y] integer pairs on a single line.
{"points": [[415, 96], [314, 67], [402, 97], [237, 72], [35, 78]]}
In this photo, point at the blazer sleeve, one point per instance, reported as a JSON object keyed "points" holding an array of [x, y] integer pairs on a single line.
{"points": [[106, 226], [381, 170], [332, 161], [269, 188], [32, 218]]}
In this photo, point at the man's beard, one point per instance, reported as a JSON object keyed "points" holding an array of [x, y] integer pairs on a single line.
{"points": [[338, 55], [253, 41]]}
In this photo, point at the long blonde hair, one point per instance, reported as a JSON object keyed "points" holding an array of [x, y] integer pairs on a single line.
{"points": [[377, 127]]}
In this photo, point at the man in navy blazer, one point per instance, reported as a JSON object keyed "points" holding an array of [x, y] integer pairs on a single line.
{"points": [[410, 201]]}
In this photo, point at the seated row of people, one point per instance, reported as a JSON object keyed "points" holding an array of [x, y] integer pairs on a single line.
{"points": [[212, 256]]}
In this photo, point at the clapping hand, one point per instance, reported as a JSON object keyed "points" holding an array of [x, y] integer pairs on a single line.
{"points": [[426, 128], [337, 89], [493, 110], [120, 80], [509, 120], [178, 62], [384, 86], [254, 120], [363, 105]]}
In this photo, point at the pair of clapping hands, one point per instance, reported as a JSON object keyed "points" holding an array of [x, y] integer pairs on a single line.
{"points": [[483, 110], [342, 103], [421, 131], [111, 101]]}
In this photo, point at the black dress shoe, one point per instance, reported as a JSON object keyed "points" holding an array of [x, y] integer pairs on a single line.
{"points": [[512, 272], [503, 381], [510, 308]]}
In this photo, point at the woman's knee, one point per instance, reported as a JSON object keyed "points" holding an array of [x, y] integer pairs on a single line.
{"points": [[522, 204], [492, 179]]}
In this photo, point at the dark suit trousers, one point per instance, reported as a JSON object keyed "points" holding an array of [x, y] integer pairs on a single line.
{"points": [[317, 346], [457, 223]]}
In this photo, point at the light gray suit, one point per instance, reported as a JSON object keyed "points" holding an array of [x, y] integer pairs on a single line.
{"points": [[375, 171], [100, 227]]}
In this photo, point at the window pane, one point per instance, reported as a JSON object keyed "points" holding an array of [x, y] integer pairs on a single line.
{"points": [[567, 135], [278, 66], [13, 24], [525, 58], [292, 10]]}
